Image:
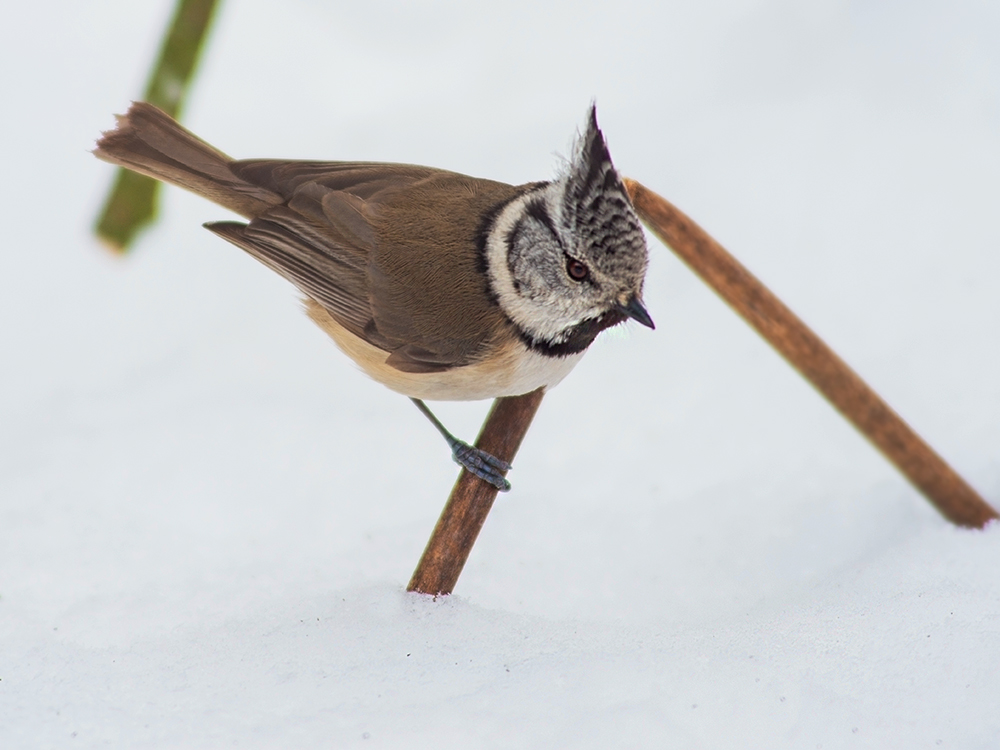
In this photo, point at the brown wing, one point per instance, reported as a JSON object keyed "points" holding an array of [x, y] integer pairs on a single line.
{"points": [[390, 251], [429, 289]]}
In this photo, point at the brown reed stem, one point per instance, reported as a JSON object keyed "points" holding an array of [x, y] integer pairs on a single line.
{"points": [[472, 498], [807, 353]]}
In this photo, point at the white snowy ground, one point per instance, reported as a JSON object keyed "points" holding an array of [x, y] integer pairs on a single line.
{"points": [[207, 516]]}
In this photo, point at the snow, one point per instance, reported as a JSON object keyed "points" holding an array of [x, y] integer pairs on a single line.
{"points": [[208, 516]]}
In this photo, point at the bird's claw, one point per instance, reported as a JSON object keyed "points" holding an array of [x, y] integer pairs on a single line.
{"points": [[484, 465]]}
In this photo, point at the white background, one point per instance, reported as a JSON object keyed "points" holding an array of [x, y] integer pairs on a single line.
{"points": [[208, 516]]}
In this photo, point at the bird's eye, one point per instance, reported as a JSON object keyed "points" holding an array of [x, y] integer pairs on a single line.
{"points": [[577, 270]]}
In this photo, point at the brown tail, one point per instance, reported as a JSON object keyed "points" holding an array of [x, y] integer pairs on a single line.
{"points": [[149, 141]]}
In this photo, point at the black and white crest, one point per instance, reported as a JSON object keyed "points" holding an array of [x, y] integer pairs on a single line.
{"points": [[596, 208]]}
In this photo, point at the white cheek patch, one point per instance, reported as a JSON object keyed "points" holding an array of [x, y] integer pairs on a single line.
{"points": [[521, 310], [540, 320]]}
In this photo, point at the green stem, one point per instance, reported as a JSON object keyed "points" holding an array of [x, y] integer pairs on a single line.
{"points": [[131, 204]]}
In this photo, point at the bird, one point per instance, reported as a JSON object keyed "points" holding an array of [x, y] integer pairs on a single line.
{"points": [[438, 285]]}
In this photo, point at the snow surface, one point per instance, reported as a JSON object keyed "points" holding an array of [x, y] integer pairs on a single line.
{"points": [[207, 515]]}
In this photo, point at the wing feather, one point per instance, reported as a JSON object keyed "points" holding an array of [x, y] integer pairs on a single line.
{"points": [[390, 251]]}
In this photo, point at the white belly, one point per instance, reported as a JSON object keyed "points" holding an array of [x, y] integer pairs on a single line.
{"points": [[510, 372]]}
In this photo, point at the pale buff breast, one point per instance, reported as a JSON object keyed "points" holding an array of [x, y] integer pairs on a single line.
{"points": [[513, 370]]}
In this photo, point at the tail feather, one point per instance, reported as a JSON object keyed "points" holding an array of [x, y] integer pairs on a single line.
{"points": [[149, 141]]}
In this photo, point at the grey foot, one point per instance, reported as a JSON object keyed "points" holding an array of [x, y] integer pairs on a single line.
{"points": [[484, 465]]}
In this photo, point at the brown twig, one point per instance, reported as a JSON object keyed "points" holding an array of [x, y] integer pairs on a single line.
{"points": [[472, 498], [807, 353]]}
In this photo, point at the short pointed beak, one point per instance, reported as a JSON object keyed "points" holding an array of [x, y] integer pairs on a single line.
{"points": [[636, 311]]}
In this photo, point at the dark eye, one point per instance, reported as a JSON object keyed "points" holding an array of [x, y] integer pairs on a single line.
{"points": [[576, 270]]}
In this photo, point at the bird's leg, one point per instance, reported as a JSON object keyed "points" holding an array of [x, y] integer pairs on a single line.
{"points": [[484, 465]]}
